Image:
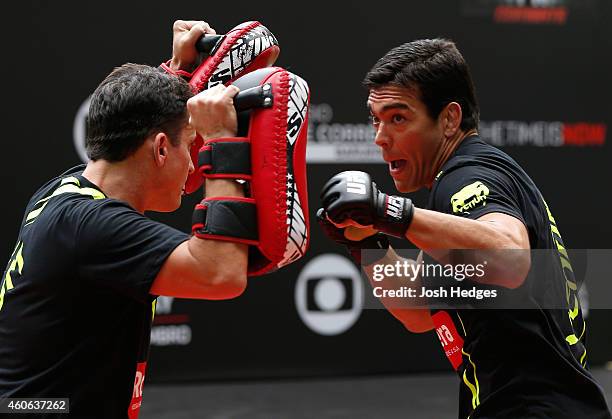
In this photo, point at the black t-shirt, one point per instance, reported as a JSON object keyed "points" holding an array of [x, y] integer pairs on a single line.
{"points": [[75, 308], [528, 363]]}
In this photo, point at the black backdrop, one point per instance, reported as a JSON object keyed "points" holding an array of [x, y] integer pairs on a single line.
{"points": [[537, 78]]}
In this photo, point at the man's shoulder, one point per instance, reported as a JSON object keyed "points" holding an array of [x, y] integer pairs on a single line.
{"points": [[49, 186], [475, 152], [69, 197], [475, 158], [475, 173]]}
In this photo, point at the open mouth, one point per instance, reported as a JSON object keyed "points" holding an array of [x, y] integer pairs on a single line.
{"points": [[396, 165]]}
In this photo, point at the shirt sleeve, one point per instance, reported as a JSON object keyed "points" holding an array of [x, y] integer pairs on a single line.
{"points": [[119, 248], [473, 191]]}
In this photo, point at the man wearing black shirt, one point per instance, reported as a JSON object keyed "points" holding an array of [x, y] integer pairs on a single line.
{"points": [[511, 363], [78, 295]]}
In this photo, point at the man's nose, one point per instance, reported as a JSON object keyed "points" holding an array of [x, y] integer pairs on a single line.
{"points": [[382, 138]]}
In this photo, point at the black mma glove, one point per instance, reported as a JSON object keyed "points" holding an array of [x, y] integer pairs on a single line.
{"points": [[377, 241], [353, 196]]}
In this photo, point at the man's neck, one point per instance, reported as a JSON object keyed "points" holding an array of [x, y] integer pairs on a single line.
{"points": [[447, 148], [118, 180], [450, 145]]}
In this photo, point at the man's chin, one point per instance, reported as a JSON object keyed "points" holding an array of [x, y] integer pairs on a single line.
{"points": [[405, 187], [177, 205], [169, 207]]}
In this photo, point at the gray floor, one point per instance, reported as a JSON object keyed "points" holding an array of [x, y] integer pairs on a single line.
{"points": [[430, 396]]}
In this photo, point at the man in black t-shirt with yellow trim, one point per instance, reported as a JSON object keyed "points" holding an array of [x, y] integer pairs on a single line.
{"points": [[78, 295], [512, 363]]}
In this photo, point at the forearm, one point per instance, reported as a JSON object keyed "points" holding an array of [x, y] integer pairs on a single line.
{"points": [[223, 187], [436, 230], [412, 311], [503, 246], [227, 259], [221, 274]]}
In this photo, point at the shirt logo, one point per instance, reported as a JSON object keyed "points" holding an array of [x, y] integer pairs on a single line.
{"points": [[451, 340], [469, 197], [134, 408]]}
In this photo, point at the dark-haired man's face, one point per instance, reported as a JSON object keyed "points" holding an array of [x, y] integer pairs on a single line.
{"points": [[176, 170], [410, 140]]}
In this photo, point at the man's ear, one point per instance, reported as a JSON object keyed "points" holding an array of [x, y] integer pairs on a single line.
{"points": [[161, 143], [451, 118]]}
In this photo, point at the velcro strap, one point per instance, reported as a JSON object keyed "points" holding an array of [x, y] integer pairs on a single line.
{"points": [[181, 73], [225, 158], [226, 218]]}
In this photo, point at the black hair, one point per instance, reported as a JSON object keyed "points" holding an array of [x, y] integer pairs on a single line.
{"points": [[436, 70], [130, 104]]}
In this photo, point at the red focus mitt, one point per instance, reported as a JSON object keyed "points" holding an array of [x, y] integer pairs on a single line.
{"points": [[247, 47], [270, 152]]}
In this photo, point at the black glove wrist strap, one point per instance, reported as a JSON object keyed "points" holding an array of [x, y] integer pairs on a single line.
{"points": [[394, 215]]}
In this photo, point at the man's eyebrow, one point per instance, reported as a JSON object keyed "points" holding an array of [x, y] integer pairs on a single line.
{"points": [[395, 105], [390, 106]]}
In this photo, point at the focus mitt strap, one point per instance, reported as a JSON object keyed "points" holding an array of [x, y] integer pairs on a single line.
{"points": [[226, 218]]}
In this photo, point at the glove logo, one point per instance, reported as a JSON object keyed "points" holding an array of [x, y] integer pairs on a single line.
{"points": [[329, 294], [395, 205], [469, 197], [356, 184]]}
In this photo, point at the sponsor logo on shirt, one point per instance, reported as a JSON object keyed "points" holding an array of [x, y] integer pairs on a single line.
{"points": [[451, 340], [134, 408], [471, 196]]}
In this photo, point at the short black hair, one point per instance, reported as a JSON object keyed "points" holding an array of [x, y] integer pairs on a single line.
{"points": [[436, 70], [131, 103]]}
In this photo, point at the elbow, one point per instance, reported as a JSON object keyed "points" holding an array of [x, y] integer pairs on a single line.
{"points": [[515, 268], [234, 283], [418, 327], [521, 263], [225, 281], [521, 270], [414, 320], [216, 270], [513, 282], [228, 283]]}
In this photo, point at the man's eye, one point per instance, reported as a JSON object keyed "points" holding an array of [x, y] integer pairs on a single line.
{"points": [[398, 119], [374, 120]]}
